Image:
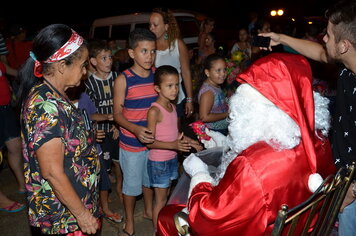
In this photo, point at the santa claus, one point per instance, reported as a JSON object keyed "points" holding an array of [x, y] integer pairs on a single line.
{"points": [[278, 153]]}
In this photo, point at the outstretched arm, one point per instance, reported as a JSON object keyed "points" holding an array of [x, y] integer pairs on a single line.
{"points": [[307, 48]]}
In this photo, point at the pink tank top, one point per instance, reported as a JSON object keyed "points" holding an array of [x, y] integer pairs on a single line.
{"points": [[166, 131]]}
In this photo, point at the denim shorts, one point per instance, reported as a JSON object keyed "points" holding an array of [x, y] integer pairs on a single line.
{"points": [[162, 172], [134, 172]]}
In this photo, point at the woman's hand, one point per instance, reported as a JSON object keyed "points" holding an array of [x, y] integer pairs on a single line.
{"points": [[87, 222], [189, 109]]}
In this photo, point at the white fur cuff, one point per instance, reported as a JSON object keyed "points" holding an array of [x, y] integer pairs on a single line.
{"points": [[200, 177]]}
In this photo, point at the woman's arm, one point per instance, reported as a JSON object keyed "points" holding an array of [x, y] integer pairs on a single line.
{"points": [[50, 158], [187, 78], [206, 103], [10, 70]]}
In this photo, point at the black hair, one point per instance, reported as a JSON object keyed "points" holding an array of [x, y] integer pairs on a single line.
{"points": [[207, 64], [343, 16], [205, 22], [258, 26], [162, 71], [212, 36], [45, 44], [140, 34], [97, 46]]}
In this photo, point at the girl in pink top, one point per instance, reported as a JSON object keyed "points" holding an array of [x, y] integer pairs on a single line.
{"points": [[162, 121]]}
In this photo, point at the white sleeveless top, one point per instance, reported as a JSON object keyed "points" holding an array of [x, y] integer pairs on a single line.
{"points": [[170, 56]]}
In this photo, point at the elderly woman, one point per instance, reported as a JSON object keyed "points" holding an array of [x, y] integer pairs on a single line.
{"points": [[61, 160]]}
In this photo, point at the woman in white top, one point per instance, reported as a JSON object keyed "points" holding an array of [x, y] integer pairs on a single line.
{"points": [[171, 50]]}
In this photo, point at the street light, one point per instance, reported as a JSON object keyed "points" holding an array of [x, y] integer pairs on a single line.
{"points": [[278, 12], [273, 13]]}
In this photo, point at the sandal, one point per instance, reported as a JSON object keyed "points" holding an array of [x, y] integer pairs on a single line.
{"points": [[114, 218], [14, 207], [127, 233]]}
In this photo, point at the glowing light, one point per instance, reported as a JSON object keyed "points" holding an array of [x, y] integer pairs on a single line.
{"points": [[310, 22], [293, 19], [273, 13], [280, 12]]}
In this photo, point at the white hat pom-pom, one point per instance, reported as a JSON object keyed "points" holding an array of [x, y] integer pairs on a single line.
{"points": [[315, 180]]}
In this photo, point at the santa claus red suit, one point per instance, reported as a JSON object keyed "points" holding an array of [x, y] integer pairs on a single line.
{"points": [[267, 173]]}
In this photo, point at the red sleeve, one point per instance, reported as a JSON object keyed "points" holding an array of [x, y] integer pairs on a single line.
{"points": [[236, 205]]}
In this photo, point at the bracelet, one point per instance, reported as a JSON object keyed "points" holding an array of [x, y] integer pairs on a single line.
{"points": [[189, 99]]}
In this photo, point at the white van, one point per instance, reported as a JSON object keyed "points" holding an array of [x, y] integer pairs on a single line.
{"points": [[119, 27]]}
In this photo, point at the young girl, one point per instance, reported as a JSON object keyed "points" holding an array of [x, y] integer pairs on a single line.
{"points": [[213, 108], [208, 47], [162, 121]]}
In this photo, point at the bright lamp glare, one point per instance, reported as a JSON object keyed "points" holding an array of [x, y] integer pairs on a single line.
{"points": [[310, 22], [273, 13], [280, 12]]}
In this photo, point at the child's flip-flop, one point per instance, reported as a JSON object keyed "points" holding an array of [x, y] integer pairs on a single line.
{"points": [[14, 207], [114, 218]]}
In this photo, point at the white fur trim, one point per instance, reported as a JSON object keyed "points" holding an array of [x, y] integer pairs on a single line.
{"points": [[200, 177], [314, 181]]}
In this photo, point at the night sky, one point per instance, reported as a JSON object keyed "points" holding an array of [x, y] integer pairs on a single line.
{"points": [[228, 14]]}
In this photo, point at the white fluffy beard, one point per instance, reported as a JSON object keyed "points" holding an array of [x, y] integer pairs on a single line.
{"points": [[253, 118]]}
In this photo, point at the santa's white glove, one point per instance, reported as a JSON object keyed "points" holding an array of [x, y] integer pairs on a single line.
{"points": [[217, 139], [193, 165], [196, 169]]}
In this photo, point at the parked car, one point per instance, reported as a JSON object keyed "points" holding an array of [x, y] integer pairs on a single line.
{"points": [[119, 27]]}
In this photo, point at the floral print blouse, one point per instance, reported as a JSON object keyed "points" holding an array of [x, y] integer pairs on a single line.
{"points": [[45, 116]]}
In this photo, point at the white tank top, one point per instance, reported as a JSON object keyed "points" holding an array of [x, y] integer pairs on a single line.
{"points": [[170, 56]]}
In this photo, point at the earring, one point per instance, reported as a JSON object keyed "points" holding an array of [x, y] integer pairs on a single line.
{"points": [[165, 36]]}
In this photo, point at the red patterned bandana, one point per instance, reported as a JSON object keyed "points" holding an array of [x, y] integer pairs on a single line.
{"points": [[74, 42]]}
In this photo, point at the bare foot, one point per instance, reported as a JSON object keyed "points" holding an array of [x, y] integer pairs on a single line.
{"points": [[147, 217]]}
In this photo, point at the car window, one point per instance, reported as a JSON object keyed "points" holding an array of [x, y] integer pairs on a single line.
{"points": [[120, 32], [188, 26], [101, 32], [142, 25]]}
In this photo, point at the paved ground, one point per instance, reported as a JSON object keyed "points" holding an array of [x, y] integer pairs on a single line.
{"points": [[16, 224]]}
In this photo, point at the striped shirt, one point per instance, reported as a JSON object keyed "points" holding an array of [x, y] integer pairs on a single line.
{"points": [[140, 94], [3, 49], [101, 93]]}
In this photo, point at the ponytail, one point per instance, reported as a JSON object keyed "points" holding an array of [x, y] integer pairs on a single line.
{"points": [[27, 80]]}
